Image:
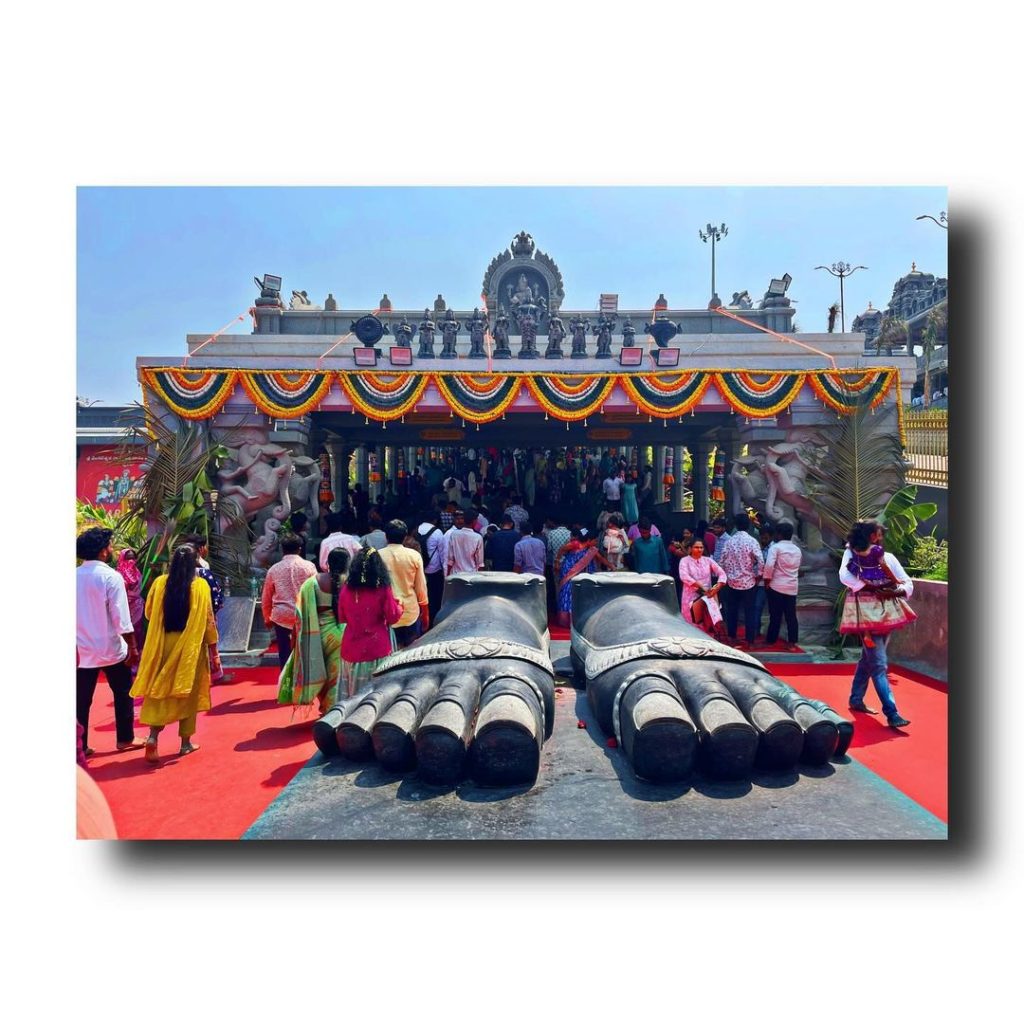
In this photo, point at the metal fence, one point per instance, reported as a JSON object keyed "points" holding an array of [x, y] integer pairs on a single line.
{"points": [[927, 432]]}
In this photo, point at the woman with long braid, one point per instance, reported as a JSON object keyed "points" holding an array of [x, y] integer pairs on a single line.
{"points": [[369, 609], [174, 673], [313, 668]]}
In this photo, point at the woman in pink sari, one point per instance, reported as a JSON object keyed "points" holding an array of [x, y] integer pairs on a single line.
{"points": [[132, 576], [700, 596]]}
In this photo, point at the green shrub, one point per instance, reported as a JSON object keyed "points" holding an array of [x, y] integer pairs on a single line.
{"points": [[929, 559]]}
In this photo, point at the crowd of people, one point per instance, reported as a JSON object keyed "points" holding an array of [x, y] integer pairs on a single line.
{"points": [[373, 585]]}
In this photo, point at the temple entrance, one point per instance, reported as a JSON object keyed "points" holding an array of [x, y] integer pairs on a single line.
{"points": [[405, 468]]}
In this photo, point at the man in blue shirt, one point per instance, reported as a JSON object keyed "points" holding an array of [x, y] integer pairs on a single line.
{"points": [[648, 552], [530, 552], [501, 547]]}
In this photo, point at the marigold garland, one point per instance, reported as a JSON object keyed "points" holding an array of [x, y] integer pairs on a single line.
{"points": [[732, 386], [539, 387], [449, 386], [482, 398], [415, 385], [832, 388], [302, 396], [190, 394], [693, 387]]}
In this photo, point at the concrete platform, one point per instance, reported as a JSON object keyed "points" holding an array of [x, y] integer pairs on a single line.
{"points": [[586, 790]]}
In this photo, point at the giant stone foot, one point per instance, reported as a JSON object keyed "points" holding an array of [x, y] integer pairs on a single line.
{"points": [[676, 699], [475, 695]]}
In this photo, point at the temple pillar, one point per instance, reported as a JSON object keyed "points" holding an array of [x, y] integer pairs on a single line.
{"points": [[362, 467], [339, 483], [378, 488], [678, 487], [726, 450], [699, 458], [659, 473]]}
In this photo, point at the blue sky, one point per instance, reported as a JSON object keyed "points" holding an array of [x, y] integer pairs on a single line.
{"points": [[155, 264]]}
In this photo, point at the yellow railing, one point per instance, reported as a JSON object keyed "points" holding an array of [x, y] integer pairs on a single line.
{"points": [[927, 432]]}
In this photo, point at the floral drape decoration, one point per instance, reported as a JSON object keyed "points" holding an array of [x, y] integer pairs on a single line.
{"points": [[484, 397]]}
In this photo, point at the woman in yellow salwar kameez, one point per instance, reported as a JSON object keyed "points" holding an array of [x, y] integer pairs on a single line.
{"points": [[174, 673], [313, 669]]}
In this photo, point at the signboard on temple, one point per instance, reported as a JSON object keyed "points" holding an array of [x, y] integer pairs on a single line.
{"points": [[104, 477]]}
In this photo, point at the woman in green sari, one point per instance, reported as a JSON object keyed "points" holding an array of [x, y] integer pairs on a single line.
{"points": [[313, 669]]}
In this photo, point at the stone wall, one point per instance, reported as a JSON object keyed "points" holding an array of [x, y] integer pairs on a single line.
{"points": [[924, 645]]}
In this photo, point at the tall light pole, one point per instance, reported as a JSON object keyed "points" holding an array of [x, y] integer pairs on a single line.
{"points": [[941, 221], [716, 235], [842, 271]]}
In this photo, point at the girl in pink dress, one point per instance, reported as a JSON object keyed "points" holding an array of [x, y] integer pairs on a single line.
{"points": [[368, 607], [700, 595]]}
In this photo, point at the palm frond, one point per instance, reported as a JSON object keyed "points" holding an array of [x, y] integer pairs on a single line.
{"points": [[861, 467]]}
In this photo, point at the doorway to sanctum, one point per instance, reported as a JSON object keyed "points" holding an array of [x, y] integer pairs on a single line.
{"points": [[403, 469]]}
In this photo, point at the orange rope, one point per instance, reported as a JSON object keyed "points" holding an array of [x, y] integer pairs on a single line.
{"points": [[775, 334], [212, 337]]}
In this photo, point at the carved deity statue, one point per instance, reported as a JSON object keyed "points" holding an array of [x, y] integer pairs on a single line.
{"points": [[477, 329], [522, 295], [449, 332], [501, 346], [528, 330], [403, 334], [749, 484], [580, 327], [427, 328], [304, 488], [266, 470], [628, 335], [604, 338], [741, 300], [785, 466], [556, 332]]}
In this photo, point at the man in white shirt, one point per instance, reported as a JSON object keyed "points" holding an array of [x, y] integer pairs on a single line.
{"points": [[105, 637], [465, 547], [874, 661], [612, 487], [431, 539], [338, 538], [781, 580], [454, 488]]}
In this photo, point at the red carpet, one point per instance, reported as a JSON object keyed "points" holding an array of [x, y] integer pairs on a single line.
{"points": [[915, 759], [250, 749]]}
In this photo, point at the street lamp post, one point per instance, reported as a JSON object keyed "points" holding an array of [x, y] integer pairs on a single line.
{"points": [[842, 271], [716, 235], [941, 220]]}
